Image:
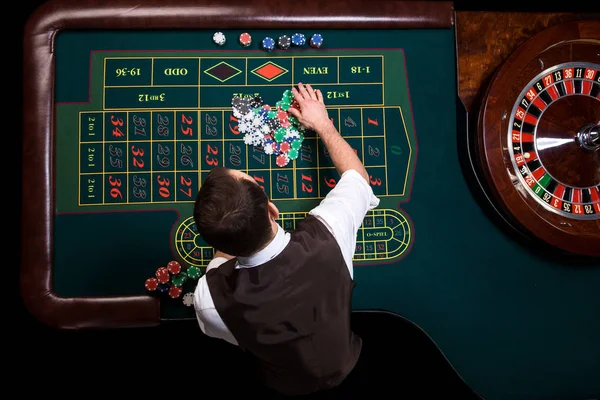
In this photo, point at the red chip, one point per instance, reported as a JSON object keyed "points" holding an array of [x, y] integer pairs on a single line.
{"points": [[174, 267], [281, 115], [284, 146], [175, 291], [162, 274], [245, 39], [282, 160], [151, 284]]}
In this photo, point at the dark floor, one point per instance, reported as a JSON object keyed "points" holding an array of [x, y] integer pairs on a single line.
{"points": [[180, 356]]}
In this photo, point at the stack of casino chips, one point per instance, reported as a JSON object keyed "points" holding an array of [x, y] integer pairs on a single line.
{"points": [[171, 279], [268, 128]]}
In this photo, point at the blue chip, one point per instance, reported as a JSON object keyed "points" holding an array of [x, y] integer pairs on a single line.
{"points": [[298, 39], [163, 288], [268, 43], [316, 40]]}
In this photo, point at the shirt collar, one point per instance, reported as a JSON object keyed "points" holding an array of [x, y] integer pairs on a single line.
{"points": [[275, 247]]}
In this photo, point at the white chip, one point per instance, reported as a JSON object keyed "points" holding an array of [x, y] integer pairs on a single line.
{"points": [[248, 139], [243, 127], [219, 38], [291, 133], [188, 299], [268, 149], [253, 138]]}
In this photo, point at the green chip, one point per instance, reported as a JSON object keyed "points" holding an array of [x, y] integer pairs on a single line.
{"points": [[288, 95], [292, 153], [272, 114], [293, 120], [179, 279], [193, 272], [279, 135], [295, 145]]}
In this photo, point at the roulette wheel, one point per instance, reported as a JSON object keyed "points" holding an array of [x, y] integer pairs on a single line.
{"points": [[537, 143]]}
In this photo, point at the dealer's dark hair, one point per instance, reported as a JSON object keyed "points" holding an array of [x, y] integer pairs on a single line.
{"points": [[231, 213]]}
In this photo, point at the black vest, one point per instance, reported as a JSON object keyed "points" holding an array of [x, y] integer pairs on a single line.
{"points": [[293, 312]]}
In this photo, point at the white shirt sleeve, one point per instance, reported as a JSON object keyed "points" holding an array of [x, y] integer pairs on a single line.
{"points": [[208, 318], [343, 211]]}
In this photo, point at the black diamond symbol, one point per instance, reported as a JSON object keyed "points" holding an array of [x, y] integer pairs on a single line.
{"points": [[222, 71]]}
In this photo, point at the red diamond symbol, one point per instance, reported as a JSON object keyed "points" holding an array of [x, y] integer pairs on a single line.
{"points": [[269, 71]]}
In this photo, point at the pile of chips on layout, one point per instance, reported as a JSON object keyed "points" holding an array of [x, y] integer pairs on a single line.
{"points": [[171, 279], [269, 128]]}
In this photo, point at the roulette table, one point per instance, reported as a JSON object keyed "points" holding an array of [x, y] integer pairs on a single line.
{"points": [[486, 164]]}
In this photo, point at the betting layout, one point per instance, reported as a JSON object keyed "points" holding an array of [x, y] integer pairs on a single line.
{"points": [[167, 121]]}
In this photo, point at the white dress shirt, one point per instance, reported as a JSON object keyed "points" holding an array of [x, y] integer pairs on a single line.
{"points": [[342, 211]]}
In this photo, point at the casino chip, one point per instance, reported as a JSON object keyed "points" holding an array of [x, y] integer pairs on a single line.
{"points": [[256, 102], [316, 40], [174, 267], [175, 291], [193, 272], [284, 42], [163, 287], [162, 275], [293, 154], [151, 284], [245, 39], [179, 279], [268, 43], [282, 160], [298, 39], [188, 299], [273, 123], [219, 38]]}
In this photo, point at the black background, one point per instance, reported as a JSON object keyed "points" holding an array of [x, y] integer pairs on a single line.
{"points": [[174, 359]]}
